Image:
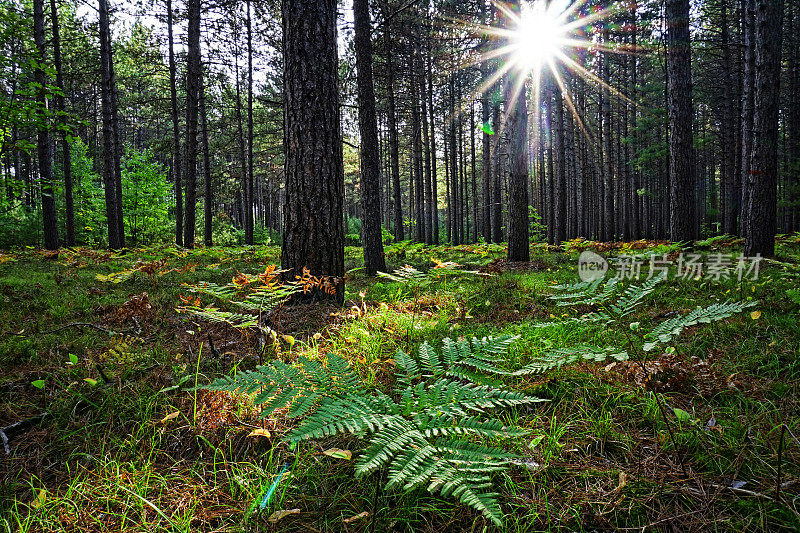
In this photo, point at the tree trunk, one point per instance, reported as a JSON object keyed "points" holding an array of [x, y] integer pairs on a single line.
{"points": [[44, 141], [249, 179], [370, 156], [176, 142], [728, 176], [240, 139], [559, 165], [193, 76], [453, 153], [314, 168], [66, 157], [208, 200], [497, 201], [679, 94], [517, 128], [110, 152], [394, 152], [434, 199], [762, 179], [416, 156], [486, 168]]}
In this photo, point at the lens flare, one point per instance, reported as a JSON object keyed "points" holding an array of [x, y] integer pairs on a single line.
{"points": [[538, 38]]}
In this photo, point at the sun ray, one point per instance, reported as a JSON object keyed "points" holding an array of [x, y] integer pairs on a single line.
{"points": [[536, 43]]}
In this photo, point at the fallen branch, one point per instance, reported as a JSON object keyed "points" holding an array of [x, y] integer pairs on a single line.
{"points": [[17, 426], [136, 330]]}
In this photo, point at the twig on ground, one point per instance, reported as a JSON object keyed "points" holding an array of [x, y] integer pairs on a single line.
{"points": [[17, 426], [135, 330]]}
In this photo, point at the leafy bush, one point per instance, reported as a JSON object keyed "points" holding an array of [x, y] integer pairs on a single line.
{"points": [[146, 198]]}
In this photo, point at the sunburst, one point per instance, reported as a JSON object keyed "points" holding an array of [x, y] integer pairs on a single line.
{"points": [[546, 38]]}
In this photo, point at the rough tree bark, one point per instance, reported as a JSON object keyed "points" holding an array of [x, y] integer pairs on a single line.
{"points": [[176, 141], [66, 160], [370, 156], [193, 76], [394, 153], [517, 129], [110, 151], [208, 200], [761, 181], [681, 160], [314, 168], [250, 178], [44, 141]]}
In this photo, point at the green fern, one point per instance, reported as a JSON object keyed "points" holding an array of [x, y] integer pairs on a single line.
{"points": [[248, 296], [427, 434], [666, 331], [614, 304]]}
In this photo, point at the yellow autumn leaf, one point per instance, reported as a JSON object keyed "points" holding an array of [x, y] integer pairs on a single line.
{"points": [[288, 339], [260, 432], [755, 315], [40, 498], [170, 416], [339, 453], [283, 513], [356, 517]]}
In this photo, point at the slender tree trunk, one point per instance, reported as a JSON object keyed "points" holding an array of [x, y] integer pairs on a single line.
{"points": [[241, 142], [193, 77], [434, 199], [66, 160], [44, 141], [370, 155], [394, 152], [426, 146], [761, 183], [486, 169], [748, 93], [559, 165], [208, 200], [636, 200], [117, 147], [728, 175], [473, 175], [249, 179], [793, 133], [517, 128], [681, 161], [497, 201], [313, 234], [606, 166], [453, 196], [416, 156], [176, 142], [110, 161]]}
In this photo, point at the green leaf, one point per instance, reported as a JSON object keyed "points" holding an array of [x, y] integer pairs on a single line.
{"points": [[337, 453], [486, 128], [90, 381], [73, 359], [39, 383], [536, 441], [681, 415]]}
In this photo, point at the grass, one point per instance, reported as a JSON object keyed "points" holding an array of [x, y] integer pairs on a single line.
{"points": [[108, 457]]}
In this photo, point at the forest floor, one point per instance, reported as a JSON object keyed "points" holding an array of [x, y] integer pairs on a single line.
{"points": [[92, 340]]}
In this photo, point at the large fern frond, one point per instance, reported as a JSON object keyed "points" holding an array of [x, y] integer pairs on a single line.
{"points": [[565, 356], [671, 328], [427, 434]]}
